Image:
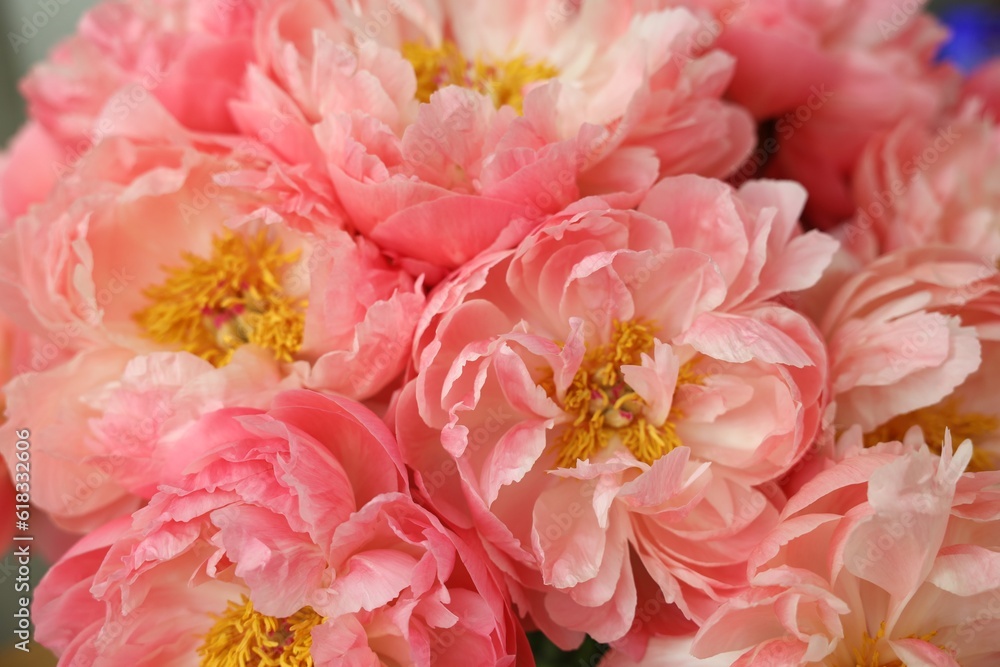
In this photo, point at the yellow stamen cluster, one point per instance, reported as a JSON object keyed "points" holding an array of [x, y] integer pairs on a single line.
{"points": [[243, 637], [934, 420], [606, 407], [211, 306], [867, 654], [503, 80]]}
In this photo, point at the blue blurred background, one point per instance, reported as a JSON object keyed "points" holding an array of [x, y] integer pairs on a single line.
{"points": [[975, 31], [976, 37]]}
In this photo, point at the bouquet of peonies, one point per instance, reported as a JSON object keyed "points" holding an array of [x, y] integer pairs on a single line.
{"points": [[455, 332]]}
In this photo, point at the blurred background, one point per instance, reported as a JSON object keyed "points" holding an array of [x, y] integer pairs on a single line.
{"points": [[975, 25], [17, 56]]}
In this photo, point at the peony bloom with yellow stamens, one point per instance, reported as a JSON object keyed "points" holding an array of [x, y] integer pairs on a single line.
{"points": [[452, 127], [599, 399], [913, 342], [888, 558], [174, 283], [288, 541]]}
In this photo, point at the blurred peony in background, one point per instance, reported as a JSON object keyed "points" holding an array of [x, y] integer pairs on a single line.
{"points": [[31, 27], [27, 37], [25, 43]]}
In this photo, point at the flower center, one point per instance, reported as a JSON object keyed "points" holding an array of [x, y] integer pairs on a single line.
{"points": [[934, 420], [242, 637], [503, 80], [867, 654], [606, 406], [210, 307]]}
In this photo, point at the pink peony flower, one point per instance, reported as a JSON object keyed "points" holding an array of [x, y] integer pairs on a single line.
{"points": [[286, 537], [140, 238], [416, 122], [913, 343], [669, 652], [427, 115], [27, 172], [919, 185], [619, 384], [169, 290], [849, 69], [126, 53], [106, 422], [888, 558]]}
